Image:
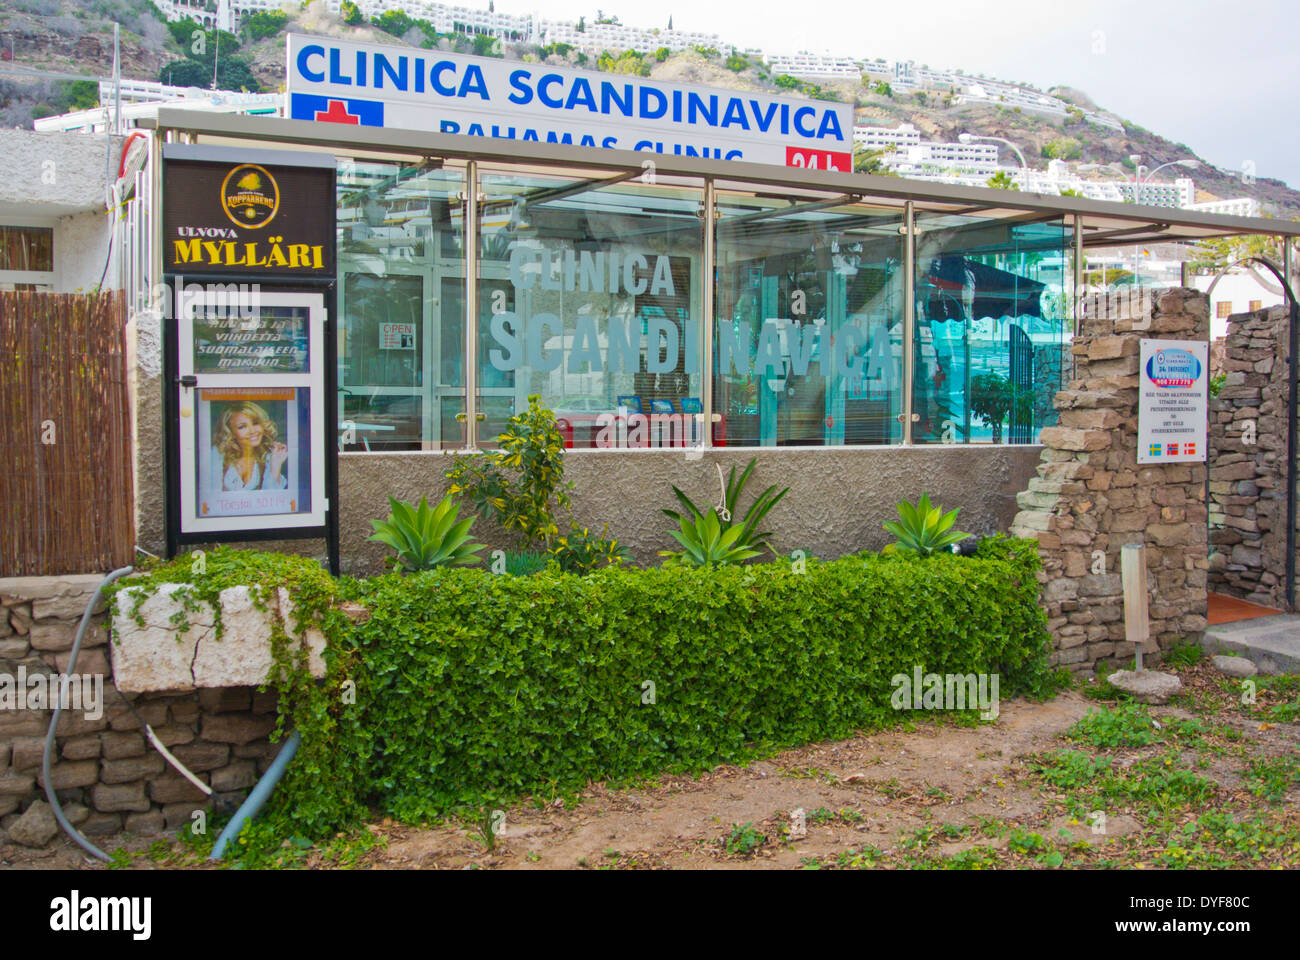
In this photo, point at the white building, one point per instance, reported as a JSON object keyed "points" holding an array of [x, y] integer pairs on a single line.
{"points": [[1152, 193], [808, 66], [135, 107], [883, 138], [1240, 207], [228, 15], [1238, 291], [55, 222], [597, 37]]}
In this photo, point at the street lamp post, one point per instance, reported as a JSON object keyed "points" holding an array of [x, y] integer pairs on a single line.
{"points": [[1024, 167]]}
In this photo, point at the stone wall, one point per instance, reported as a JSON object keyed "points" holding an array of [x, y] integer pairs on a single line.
{"points": [[1091, 497], [1248, 461], [107, 775]]}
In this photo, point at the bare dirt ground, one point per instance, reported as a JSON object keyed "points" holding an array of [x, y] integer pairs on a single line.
{"points": [[931, 793], [895, 781]]}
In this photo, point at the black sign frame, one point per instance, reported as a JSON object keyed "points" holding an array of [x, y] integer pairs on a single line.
{"points": [[322, 283]]}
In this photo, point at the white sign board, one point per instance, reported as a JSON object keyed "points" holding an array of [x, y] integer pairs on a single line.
{"points": [[397, 336], [1173, 401], [379, 85]]}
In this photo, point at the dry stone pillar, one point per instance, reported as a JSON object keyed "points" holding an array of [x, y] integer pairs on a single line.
{"points": [[1248, 461], [1091, 497]]}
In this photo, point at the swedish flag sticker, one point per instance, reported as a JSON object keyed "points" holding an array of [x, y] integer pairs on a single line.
{"points": [[1155, 449]]}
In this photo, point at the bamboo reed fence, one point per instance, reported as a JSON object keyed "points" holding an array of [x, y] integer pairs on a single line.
{"points": [[66, 485]]}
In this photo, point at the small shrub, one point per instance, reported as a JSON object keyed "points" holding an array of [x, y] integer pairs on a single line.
{"points": [[524, 563], [750, 538], [1183, 655], [582, 551], [516, 485], [1273, 777], [427, 537], [743, 840], [708, 542], [924, 529]]}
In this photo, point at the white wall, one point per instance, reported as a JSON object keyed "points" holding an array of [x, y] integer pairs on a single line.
{"points": [[1238, 289], [81, 246]]}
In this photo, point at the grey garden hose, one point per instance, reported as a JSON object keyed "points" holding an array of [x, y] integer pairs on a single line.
{"points": [[68, 828]]}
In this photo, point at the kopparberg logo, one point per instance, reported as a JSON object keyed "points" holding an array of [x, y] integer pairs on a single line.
{"points": [[250, 196], [1172, 367]]}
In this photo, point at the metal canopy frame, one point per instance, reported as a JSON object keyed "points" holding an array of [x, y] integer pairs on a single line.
{"points": [[1093, 222], [1158, 223]]}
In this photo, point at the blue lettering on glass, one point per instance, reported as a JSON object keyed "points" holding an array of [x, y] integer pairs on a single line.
{"points": [[538, 358], [505, 336], [661, 328]]}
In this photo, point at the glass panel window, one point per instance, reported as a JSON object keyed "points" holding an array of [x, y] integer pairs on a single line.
{"points": [[401, 307], [27, 248], [590, 296], [992, 328], [808, 345]]}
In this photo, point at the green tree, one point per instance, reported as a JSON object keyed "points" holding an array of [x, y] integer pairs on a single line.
{"points": [[393, 21], [787, 82], [486, 46], [870, 161], [994, 398], [233, 73], [351, 14], [662, 54], [883, 89], [1062, 148], [78, 95], [736, 62], [1213, 255], [264, 23], [1002, 181]]}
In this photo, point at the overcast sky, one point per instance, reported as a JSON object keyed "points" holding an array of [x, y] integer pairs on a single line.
{"points": [[1218, 76]]}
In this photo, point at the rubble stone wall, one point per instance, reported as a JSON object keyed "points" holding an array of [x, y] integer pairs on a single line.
{"points": [[1091, 497], [1248, 461], [108, 777]]}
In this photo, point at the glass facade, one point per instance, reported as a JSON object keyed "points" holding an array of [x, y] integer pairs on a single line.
{"points": [[992, 328], [808, 342], [401, 249], [590, 295], [592, 290]]}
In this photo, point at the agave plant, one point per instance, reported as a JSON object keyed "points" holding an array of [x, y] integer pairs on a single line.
{"points": [[706, 541], [426, 537], [750, 536], [924, 529]]}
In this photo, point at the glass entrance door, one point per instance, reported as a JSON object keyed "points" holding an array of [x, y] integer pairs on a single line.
{"points": [[401, 283]]}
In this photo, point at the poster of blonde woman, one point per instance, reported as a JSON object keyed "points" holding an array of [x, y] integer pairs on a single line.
{"points": [[253, 451]]}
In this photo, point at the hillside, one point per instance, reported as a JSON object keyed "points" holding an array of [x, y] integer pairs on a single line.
{"points": [[62, 36]]}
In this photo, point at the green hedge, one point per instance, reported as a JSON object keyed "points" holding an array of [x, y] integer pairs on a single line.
{"points": [[482, 688], [464, 689]]}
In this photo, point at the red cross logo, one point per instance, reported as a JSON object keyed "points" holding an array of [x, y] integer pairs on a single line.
{"points": [[338, 113]]}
